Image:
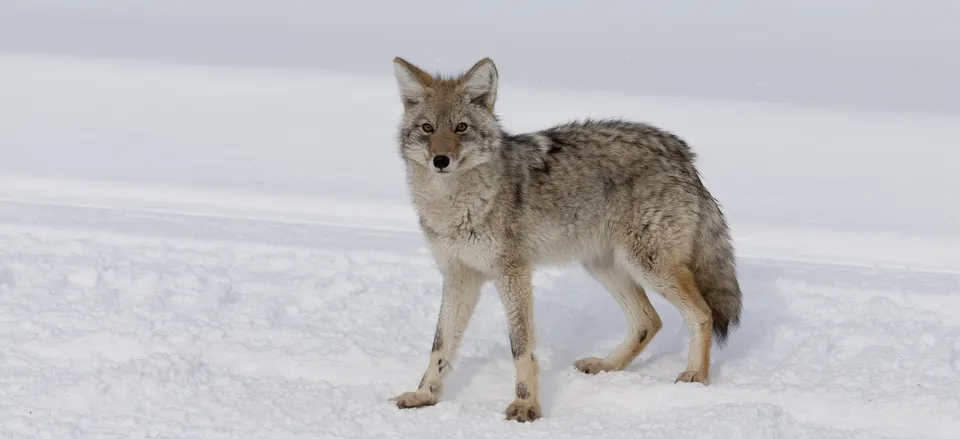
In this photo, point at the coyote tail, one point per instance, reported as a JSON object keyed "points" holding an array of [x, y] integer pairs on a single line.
{"points": [[714, 270]]}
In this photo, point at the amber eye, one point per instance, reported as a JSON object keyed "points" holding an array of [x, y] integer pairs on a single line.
{"points": [[427, 128], [461, 127]]}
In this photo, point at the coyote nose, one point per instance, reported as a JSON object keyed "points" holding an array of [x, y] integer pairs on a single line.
{"points": [[441, 161]]}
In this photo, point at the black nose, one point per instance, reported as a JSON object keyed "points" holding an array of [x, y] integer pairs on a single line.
{"points": [[441, 161]]}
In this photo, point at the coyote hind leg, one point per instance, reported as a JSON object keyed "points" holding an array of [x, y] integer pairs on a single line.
{"points": [[675, 281], [643, 322]]}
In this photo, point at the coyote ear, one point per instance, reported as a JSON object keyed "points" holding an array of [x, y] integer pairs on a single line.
{"points": [[479, 84], [412, 81]]}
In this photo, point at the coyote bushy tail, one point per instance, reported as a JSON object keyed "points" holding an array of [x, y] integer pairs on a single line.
{"points": [[714, 269]]}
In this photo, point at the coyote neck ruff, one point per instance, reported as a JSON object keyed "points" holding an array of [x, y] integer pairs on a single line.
{"points": [[453, 205], [623, 199], [459, 213]]}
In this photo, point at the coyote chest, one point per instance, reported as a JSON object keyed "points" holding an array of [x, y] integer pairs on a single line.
{"points": [[462, 231], [476, 249]]}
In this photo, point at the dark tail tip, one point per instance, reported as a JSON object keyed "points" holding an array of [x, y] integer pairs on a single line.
{"points": [[721, 328]]}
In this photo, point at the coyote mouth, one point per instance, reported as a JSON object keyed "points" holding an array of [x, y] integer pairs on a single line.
{"points": [[444, 171]]}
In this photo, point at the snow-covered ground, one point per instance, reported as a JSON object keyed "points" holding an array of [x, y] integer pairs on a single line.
{"points": [[213, 252]]}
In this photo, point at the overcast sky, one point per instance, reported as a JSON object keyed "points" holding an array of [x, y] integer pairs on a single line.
{"points": [[878, 54]]}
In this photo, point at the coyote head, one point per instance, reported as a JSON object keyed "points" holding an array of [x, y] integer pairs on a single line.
{"points": [[448, 123]]}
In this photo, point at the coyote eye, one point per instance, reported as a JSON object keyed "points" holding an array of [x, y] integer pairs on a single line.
{"points": [[461, 127], [427, 128]]}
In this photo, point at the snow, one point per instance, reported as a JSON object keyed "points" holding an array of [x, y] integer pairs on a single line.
{"points": [[227, 251], [123, 322]]}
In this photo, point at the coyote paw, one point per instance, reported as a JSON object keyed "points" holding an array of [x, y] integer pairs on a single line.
{"points": [[523, 410], [411, 400], [692, 376], [594, 365]]}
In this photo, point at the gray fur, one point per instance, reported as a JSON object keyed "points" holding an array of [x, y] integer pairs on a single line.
{"points": [[619, 195]]}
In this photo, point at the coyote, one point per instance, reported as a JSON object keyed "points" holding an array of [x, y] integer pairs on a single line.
{"points": [[623, 199]]}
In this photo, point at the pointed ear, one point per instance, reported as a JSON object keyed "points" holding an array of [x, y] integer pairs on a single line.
{"points": [[479, 84], [413, 82]]}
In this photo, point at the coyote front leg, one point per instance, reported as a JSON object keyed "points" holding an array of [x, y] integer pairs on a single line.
{"points": [[516, 293], [461, 289]]}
